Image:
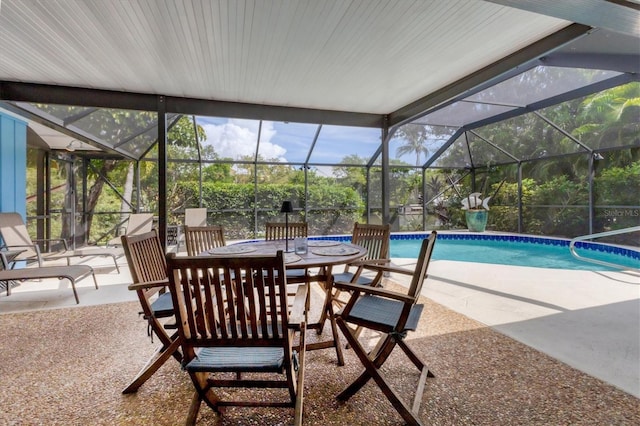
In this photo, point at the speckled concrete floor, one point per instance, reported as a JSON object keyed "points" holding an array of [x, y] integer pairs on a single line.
{"points": [[68, 367]]}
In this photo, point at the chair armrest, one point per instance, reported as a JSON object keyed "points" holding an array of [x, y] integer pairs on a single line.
{"points": [[148, 284], [389, 268], [31, 246], [45, 240], [374, 291], [4, 263], [369, 262], [298, 314]]}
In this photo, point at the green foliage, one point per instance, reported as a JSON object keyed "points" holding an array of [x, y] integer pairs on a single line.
{"points": [[565, 207], [615, 185], [332, 208]]}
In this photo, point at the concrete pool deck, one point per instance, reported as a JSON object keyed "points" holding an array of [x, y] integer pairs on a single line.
{"points": [[588, 320]]}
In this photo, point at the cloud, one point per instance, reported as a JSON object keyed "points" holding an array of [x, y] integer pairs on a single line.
{"points": [[237, 138]]}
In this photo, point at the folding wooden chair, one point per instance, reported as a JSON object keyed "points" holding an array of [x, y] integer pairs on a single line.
{"points": [[392, 314], [277, 231], [148, 267], [199, 239], [375, 238], [239, 326], [192, 217]]}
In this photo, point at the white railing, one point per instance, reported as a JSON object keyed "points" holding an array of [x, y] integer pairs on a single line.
{"points": [[598, 235]]}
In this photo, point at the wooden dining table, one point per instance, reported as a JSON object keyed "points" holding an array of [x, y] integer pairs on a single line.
{"points": [[321, 256]]}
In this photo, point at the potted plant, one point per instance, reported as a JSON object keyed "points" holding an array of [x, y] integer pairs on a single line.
{"points": [[476, 211], [476, 208]]}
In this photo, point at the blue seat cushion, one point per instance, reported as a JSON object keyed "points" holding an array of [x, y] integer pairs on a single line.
{"points": [[384, 311], [348, 276], [162, 306], [296, 273], [234, 359]]}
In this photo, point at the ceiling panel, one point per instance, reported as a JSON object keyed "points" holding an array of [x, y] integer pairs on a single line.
{"points": [[371, 56]]}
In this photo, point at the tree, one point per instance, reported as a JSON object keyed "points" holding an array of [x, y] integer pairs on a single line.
{"points": [[416, 137]]}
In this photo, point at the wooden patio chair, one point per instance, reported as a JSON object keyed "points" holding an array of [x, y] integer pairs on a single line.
{"points": [[148, 267], [138, 223], [199, 239], [277, 231], [16, 237], [375, 238], [192, 217], [240, 327], [392, 314]]}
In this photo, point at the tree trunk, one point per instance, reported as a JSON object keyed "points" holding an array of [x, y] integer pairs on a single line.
{"points": [[96, 189], [125, 205]]}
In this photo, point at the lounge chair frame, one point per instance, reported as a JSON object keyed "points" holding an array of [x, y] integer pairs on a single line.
{"points": [[16, 237], [72, 273]]}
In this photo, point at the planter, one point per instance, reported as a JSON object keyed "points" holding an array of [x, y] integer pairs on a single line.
{"points": [[476, 220]]}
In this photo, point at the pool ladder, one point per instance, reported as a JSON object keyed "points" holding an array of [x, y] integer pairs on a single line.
{"points": [[598, 235]]}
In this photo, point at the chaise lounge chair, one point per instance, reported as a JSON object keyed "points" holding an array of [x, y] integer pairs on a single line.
{"points": [[16, 237], [138, 223], [72, 273]]}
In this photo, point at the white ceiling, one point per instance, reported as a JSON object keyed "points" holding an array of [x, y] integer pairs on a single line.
{"points": [[392, 58], [372, 56]]}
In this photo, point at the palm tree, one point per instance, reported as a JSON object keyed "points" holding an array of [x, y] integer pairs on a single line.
{"points": [[415, 136]]}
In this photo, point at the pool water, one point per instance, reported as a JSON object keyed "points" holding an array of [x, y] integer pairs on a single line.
{"points": [[535, 252]]}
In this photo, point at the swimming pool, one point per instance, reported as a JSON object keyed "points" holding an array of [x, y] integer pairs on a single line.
{"points": [[515, 250]]}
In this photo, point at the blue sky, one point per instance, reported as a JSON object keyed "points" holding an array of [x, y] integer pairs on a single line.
{"points": [[288, 142]]}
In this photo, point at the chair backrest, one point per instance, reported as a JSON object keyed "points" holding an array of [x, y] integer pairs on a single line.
{"points": [[420, 273], [195, 216], [14, 233], [214, 308], [278, 231], [139, 223], [145, 257], [202, 238], [375, 238]]}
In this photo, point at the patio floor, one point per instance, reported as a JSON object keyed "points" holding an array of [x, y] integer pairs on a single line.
{"points": [[524, 347]]}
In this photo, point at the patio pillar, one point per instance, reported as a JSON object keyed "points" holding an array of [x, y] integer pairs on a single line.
{"points": [[162, 171], [386, 185]]}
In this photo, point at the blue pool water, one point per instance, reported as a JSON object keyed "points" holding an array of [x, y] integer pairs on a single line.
{"points": [[515, 250]]}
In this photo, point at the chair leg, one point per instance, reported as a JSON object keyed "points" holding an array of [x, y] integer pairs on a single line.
{"points": [[75, 292], [192, 416], [115, 262], [162, 354], [203, 393], [372, 372], [335, 334], [299, 404], [325, 308]]}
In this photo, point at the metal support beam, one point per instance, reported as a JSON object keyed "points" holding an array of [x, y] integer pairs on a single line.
{"points": [[493, 72], [385, 178], [162, 170]]}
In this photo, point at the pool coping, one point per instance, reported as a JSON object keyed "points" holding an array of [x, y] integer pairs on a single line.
{"points": [[625, 251]]}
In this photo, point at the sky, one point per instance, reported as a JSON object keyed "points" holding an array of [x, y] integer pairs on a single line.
{"points": [[288, 142]]}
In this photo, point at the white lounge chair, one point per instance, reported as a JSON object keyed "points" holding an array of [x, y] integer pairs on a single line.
{"points": [[138, 223], [16, 237]]}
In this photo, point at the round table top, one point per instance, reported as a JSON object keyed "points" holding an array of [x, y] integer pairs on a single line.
{"points": [[319, 252]]}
